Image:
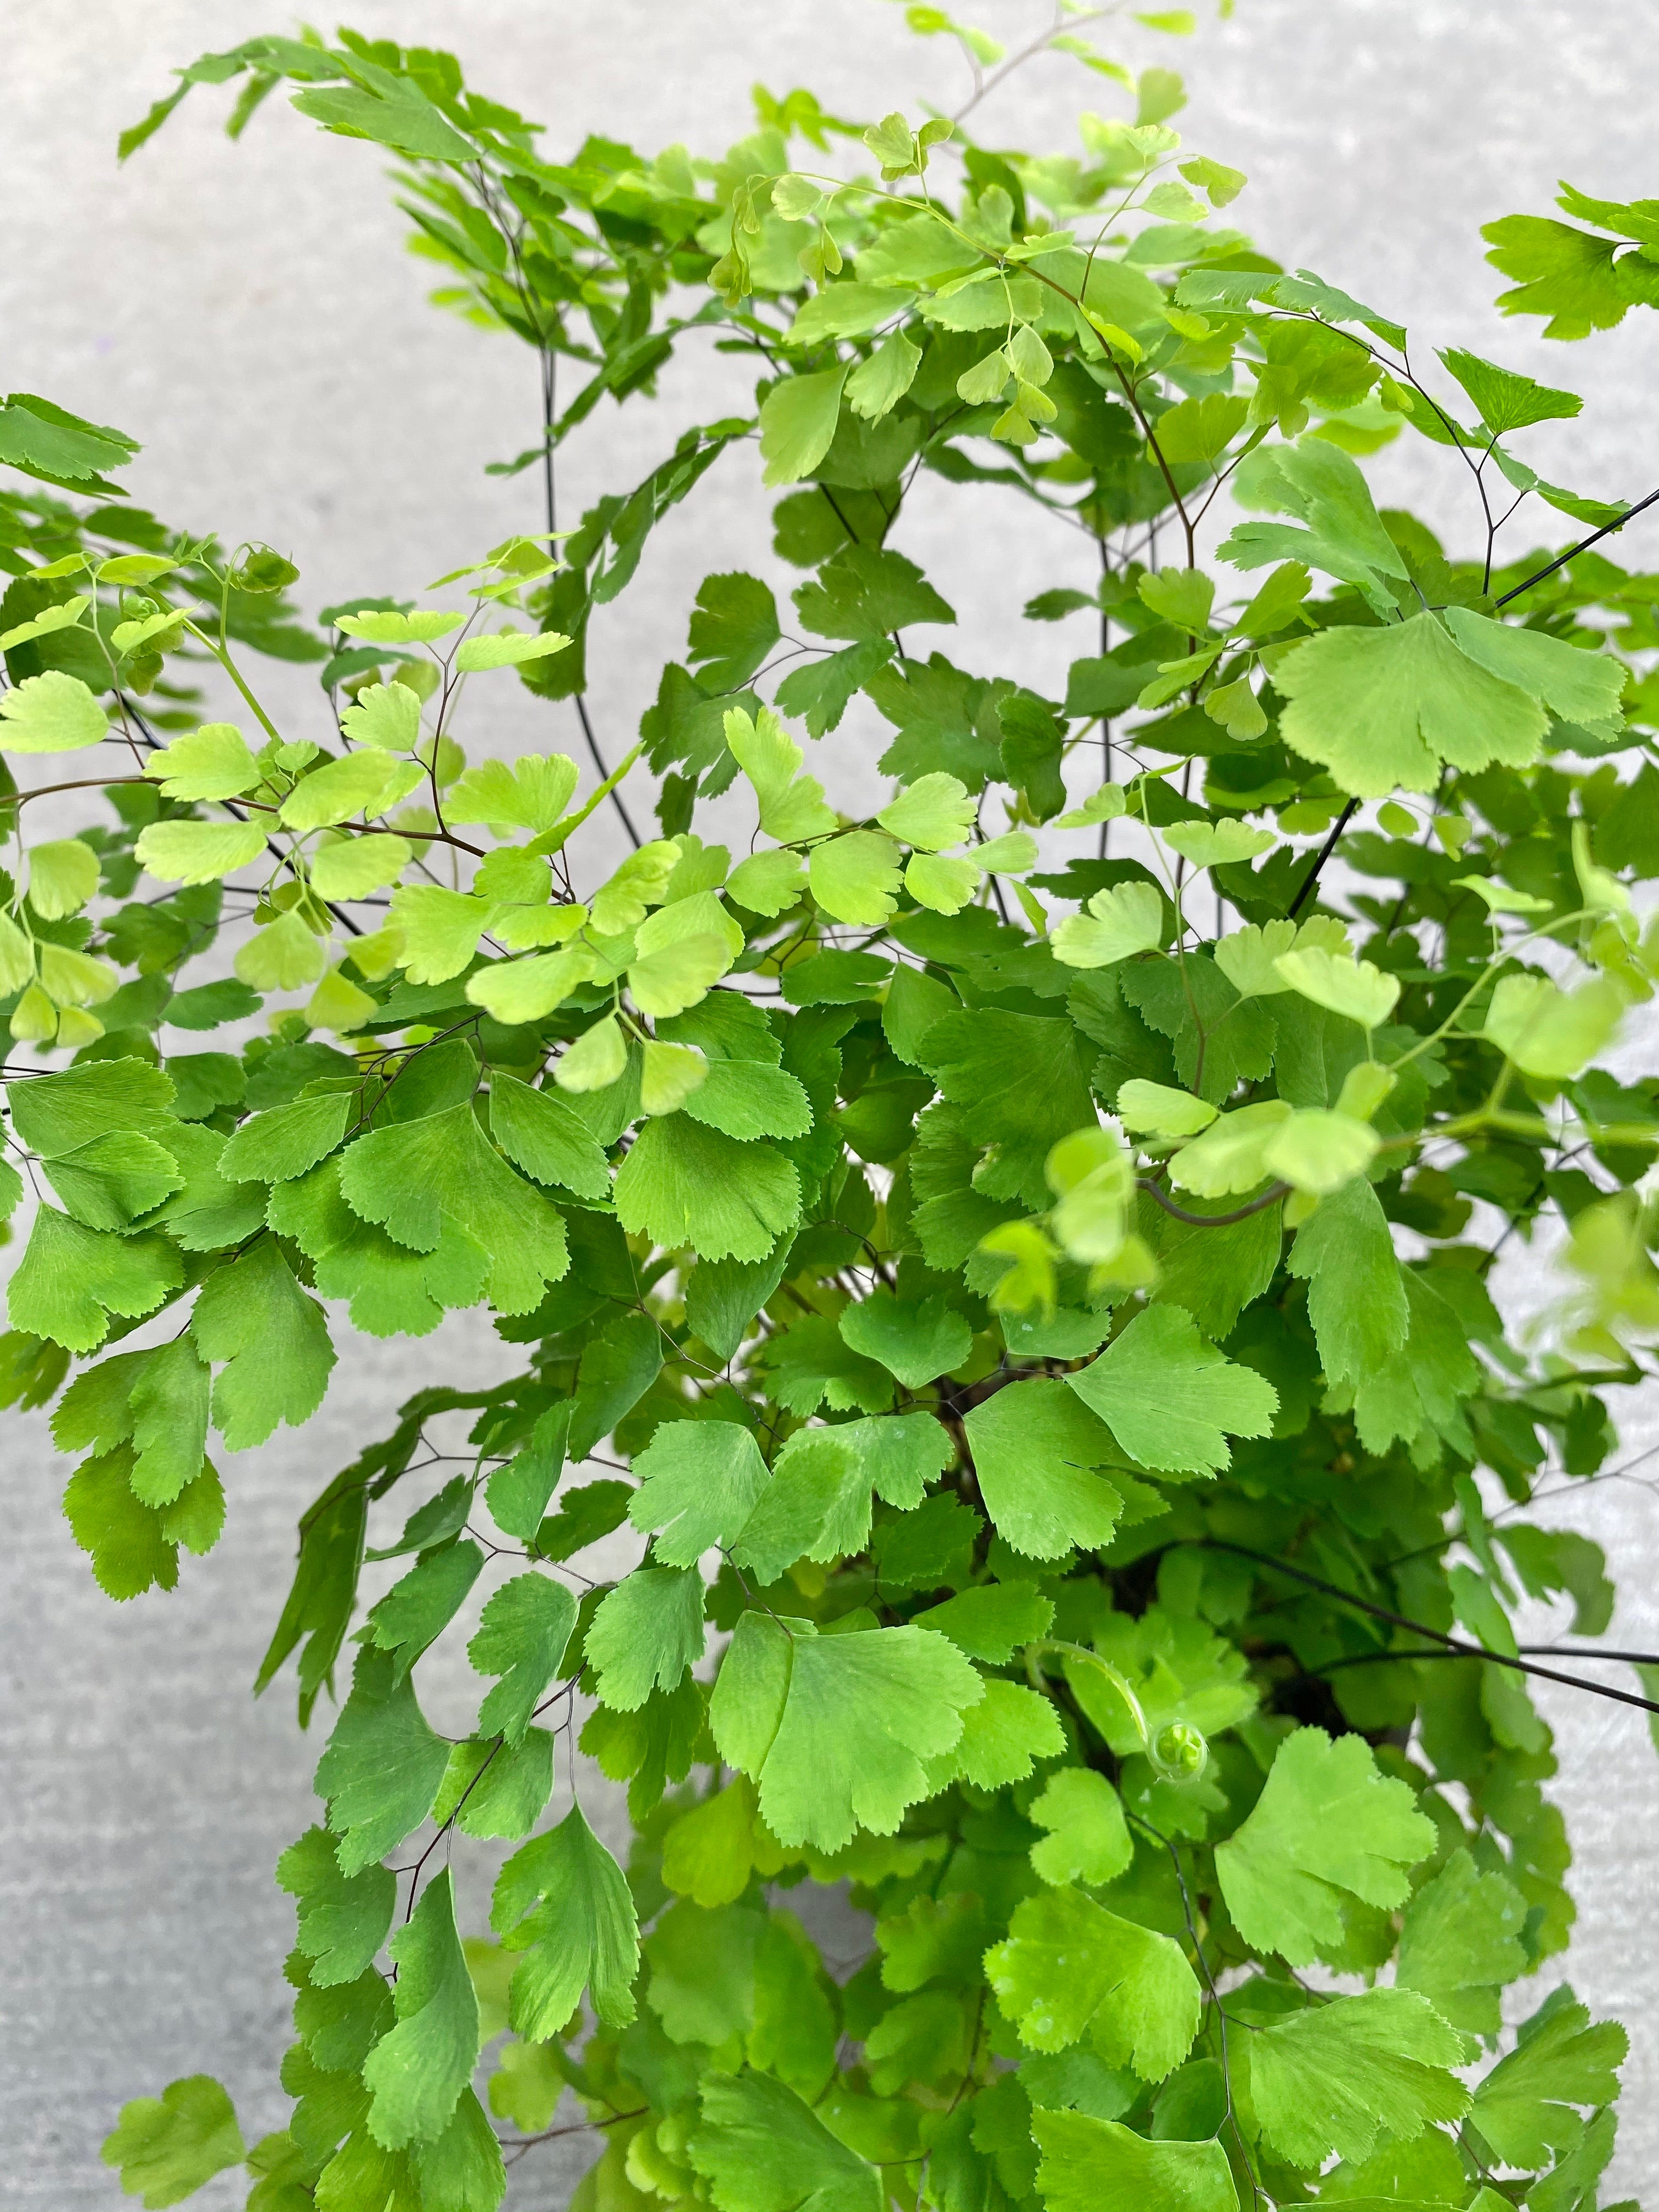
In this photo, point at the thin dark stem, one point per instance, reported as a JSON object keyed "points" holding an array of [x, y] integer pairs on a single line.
{"points": [[1451, 1644], [1583, 544], [1216, 1220], [1324, 855]]}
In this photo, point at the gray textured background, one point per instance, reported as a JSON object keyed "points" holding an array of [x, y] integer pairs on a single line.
{"points": [[248, 315]]}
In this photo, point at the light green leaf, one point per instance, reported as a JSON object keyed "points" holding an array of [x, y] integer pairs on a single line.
{"points": [[1217, 844], [699, 1482], [51, 714], [835, 1729], [1069, 1969], [363, 783], [1318, 1151], [1088, 1839], [598, 1058], [1168, 1395], [992, 1621], [1003, 1737], [876, 386], [515, 991], [440, 930], [767, 883], [352, 868], [1387, 709], [416, 2074], [666, 982], [1548, 1032], [564, 1901], [683, 1184], [382, 626], [507, 648], [199, 851], [1335, 2077], [1328, 1827], [1506, 399], [1034, 1447], [1125, 919], [168, 2147], [1229, 1156], [943, 885], [792, 805], [856, 877], [281, 955], [385, 715], [533, 793], [213, 762], [798, 424], [934, 812], [1082, 2157], [1353, 988], [1166, 1112], [747, 1099], [645, 1636]]}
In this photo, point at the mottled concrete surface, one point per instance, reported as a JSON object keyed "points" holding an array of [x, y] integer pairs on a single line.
{"points": [[247, 313]]}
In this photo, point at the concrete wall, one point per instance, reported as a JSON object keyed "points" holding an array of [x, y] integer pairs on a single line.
{"points": [[248, 315]]}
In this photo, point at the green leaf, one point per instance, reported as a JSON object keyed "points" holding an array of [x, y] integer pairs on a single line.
{"points": [[517, 1494], [1461, 1943], [1523, 2109], [51, 714], [1003, 1737], [412, 1177], [342, 1921], [169, 1408], [1082, 2157], [760, 2149], [1355, 1298], [1388, 709], [1506, 399], [126, 1540], [681, 1184], [254, 1316], [835, 1729], [521, 1636], [917, 1341], [619, 1365], [1069, 1969], [418, 1609], [993, 1620], [798, 424], [699, 1482], [382, 1766], [735, 625], [545, 1137], [72, 1279], [563, 1900], [817, 1504], [286, 1141], [1034, 1447], [1335, 2077], [1326, 1829], [746, 1099], [646, 1635], [168, 2147], [1088, 1839], [868, 592], [416, 2074], [1170, 1398]]}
